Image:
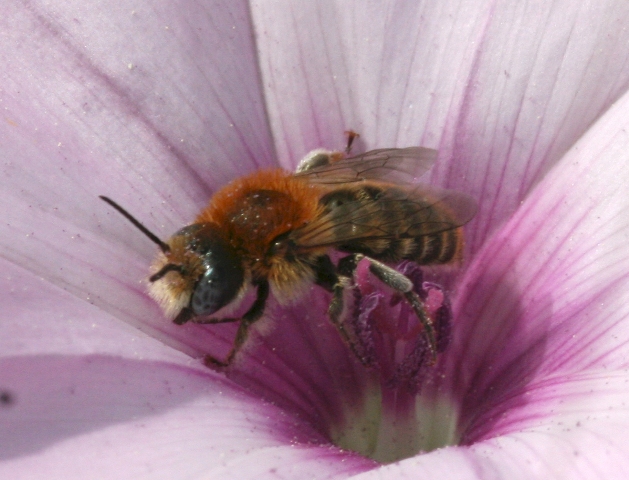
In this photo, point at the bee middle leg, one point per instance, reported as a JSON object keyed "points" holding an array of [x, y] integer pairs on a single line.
{"points": [[254, 313], [335, 280]]}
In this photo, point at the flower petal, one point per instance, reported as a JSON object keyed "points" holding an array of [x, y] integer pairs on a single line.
{"points": [[539, 79], [99, 416], [541, 338], [502, 89], [549, 290], [84, 395], [581, 435], [138, 111]]}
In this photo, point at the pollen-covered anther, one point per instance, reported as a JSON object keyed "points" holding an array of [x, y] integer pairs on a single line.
{"points": [[389, 335], [362, 325]]}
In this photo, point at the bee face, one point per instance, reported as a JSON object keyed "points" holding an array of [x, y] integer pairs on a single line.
{"points": [[201, 272]]}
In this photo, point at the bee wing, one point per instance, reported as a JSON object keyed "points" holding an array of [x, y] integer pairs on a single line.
{"points": [[399, 212], [395, 165]]}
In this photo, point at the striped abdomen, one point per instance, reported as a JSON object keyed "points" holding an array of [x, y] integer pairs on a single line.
{"points": [[391, 223]]}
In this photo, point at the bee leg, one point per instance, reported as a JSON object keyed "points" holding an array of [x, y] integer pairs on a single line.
{"points": [[351, 135], [184, 316], [326, 276], [401, 283], [336, 309], [335, 280], [254, 313], [325, 273]]}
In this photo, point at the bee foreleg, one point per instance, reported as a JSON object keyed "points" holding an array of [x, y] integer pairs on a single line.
{"points": [[404, 285], [184, 316], [254, 313]]}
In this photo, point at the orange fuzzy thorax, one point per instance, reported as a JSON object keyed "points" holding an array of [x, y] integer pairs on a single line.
{"points": [[256, 209]]}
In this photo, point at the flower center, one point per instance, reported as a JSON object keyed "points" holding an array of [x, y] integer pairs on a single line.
{"points": [[402, 412]]}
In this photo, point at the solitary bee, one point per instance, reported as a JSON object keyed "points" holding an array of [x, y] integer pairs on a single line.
{"points": [[274, 231]]}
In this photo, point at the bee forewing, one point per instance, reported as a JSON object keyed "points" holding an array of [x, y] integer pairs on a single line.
{"points": [[395, 165], [459, 208], [399, 212]]}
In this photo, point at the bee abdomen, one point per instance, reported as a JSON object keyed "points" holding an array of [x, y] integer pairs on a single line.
{"points": [[389, 226], [444, 247], [441, 248]]}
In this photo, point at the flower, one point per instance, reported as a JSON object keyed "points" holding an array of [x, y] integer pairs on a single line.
{"points": [[157, 106]]}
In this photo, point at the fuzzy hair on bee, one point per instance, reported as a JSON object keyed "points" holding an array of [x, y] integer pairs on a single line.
{"points": [[274, 231]]}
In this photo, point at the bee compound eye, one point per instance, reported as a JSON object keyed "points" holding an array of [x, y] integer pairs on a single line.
{"points": [[220, 282]]}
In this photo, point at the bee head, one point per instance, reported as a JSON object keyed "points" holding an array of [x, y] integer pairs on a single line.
{"points": [[198, 274]]}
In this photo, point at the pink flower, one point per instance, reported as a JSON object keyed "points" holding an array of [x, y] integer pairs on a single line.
{"points": [[158, 105]]}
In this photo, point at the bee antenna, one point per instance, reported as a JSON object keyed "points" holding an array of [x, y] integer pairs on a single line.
{"points": [[154, 238], [169, 267]]}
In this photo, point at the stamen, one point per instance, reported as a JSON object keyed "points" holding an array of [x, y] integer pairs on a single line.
{"points": [[390, 337]]}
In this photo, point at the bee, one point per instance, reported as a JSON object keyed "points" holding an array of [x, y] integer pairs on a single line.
{"points": [[274, 231]]}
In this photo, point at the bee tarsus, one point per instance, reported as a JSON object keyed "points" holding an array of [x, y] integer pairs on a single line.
{"points": [[249, 318]]}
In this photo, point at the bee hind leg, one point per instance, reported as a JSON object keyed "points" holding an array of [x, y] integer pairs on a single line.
{"points": [[401, 283], [254, 313], [351, 136]]}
